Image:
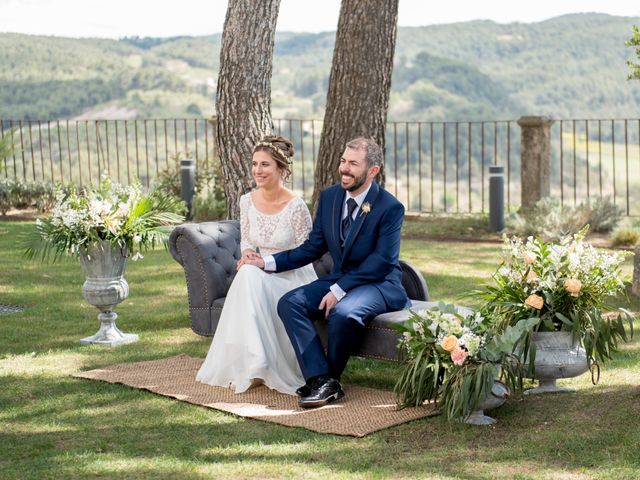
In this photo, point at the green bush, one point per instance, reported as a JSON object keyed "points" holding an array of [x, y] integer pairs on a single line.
{"points": [[549, 219], [18, 194], [626, 237], [209, 201], [6, 144], [602, 214], [6, 191], [208, 207]]}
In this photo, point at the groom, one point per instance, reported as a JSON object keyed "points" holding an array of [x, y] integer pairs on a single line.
{"points": [[359, 223]]}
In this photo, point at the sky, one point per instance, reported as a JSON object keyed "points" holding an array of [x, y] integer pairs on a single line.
{"points": [[162, 18]]}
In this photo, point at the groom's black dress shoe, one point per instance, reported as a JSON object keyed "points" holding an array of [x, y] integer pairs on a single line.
{"points": [[322, 391], [304, 390]]}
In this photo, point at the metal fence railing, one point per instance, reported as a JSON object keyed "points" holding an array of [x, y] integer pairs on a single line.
{"points": [[431, 167], [69, 151], [597, 158]]}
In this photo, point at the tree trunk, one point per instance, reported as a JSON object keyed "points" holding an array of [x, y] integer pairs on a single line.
{"points": [[243, 99], [359, 84]]}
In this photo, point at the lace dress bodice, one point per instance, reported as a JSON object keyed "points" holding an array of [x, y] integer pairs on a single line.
{"points": [[273, 233]]}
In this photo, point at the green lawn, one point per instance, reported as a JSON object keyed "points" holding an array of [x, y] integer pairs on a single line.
{"points": [[56, 426]]}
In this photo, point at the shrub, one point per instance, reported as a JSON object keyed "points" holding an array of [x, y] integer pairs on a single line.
{"points": [[602, 214], [6, 190], [549, 219], [168, 180], [209, 202], [16, 193], [208, 206], [626, 237], [6, 144]]}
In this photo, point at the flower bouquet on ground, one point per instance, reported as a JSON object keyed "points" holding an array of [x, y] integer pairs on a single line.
{"points": [[454, 358], [564, 286], [122, 215]]}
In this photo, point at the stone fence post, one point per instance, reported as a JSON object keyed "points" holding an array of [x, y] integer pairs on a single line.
{"points": [[535, 155]]}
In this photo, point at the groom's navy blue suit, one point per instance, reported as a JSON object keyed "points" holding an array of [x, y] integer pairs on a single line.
{"points": [[365, 266]]}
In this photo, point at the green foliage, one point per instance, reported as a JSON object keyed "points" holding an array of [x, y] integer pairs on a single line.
{"points": [[634, 41], [38, 100], [602, 214], [147, 43], [209, 202], [435, 82], [7, 144], [626, 237], [168, 181], [6, 195], [208, 206], [18, 194], [570, 66], [124, 216], [549, 219]]}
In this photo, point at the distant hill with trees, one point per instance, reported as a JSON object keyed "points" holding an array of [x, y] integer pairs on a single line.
{"points": [[573, 66]]}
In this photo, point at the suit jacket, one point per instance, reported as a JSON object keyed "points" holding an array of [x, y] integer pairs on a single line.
{"points": [[371, 250]]}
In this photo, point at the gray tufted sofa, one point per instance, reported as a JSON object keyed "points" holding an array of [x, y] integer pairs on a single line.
{"points": [[208, 252]]}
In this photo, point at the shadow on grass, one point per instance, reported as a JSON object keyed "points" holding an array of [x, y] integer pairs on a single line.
{"points": [[70, 427]]}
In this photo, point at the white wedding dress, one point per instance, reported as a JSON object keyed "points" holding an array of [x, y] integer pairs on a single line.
{"points": [[250, 345]]}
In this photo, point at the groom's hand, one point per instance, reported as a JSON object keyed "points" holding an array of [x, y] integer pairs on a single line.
{"points": [[328, 302]]}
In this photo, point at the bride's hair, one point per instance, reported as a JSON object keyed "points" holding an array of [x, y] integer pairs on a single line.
{"points": [[280, 149]]}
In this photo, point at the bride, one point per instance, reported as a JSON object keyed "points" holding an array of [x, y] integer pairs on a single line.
{"points": [[250, 345]]}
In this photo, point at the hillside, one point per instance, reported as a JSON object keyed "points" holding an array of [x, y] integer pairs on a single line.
{"points": [[572, 66]]}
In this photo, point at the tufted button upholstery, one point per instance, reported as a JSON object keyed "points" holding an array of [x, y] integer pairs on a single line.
{"points": [[209, 251]]}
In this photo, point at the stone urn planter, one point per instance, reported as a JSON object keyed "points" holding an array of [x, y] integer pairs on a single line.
{"points": [[104, 288], [558, 355], [498, 395]]}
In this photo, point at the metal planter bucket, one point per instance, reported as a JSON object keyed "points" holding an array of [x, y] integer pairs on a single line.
{"points": [[104, 288], [558, 355]]}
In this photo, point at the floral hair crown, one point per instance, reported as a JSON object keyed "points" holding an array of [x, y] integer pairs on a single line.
{"points": [[273, 147]]}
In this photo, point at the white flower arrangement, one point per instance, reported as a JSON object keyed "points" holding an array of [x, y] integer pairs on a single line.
{"points": [[122, 215], [564, 285]]}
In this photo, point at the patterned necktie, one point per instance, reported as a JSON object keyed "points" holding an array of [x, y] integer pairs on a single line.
{"points": [[347, 221]]}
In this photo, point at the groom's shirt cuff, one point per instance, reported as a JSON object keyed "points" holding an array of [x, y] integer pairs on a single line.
{"points": [[337, 291], [269, 263]]}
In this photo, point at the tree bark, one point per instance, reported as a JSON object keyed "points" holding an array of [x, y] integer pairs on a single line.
{"points": [[243, 99], [359, 84]]}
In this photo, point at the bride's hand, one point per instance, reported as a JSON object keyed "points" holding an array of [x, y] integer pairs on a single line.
{"points": [[250, 257], [250, 254]]}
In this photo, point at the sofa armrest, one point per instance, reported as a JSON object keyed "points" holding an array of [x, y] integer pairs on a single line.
{"points": [[413, 282], [208, 252]]}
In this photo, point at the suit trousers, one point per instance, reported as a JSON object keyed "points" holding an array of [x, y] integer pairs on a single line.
{"points": [[298, 310]]}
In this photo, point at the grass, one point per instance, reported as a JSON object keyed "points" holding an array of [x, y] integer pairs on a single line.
{"points": [[55, 426]]}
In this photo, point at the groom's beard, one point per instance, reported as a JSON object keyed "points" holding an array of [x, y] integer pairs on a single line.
{"points": [[357, 181]]}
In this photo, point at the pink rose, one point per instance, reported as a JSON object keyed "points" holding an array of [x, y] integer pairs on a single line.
{"points": [[459, 355]]}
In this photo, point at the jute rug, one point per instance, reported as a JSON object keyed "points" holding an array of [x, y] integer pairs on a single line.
{"points": [[362, 411]]}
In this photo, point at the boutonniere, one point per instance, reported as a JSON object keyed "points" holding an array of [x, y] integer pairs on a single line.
{"points": [[366, 208]]}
